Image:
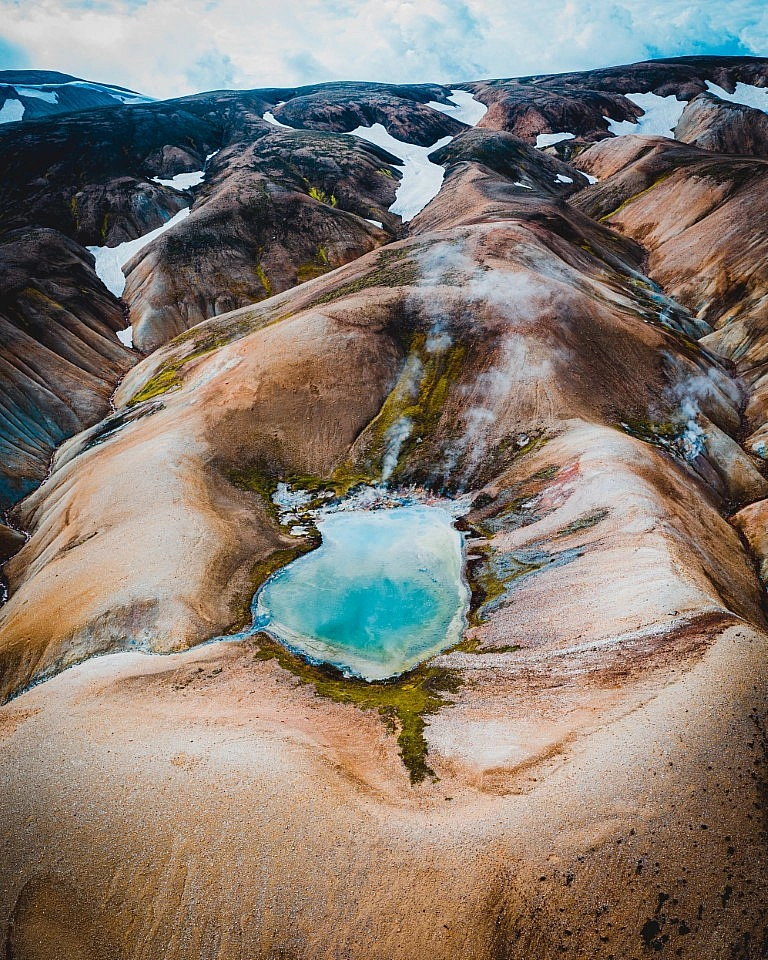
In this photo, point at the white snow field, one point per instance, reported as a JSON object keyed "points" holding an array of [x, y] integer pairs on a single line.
{"points": [[745, 94], [182, 181], [270, 117], [48, 95], [123, 96], [422, 179], [549, 139], [465, 107], [111, 260], [659, 120], [11, 111], [126, 337]]}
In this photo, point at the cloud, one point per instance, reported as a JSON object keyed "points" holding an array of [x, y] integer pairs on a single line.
{"points": [[171, 47]]}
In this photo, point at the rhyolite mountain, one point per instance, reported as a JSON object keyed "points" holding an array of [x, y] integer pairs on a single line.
{"points": [[552, 311]]}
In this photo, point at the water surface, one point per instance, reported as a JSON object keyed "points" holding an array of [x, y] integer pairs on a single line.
{"points": [[382, 593]]}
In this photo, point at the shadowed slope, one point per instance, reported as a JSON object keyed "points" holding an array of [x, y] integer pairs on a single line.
{"points": [[60, 355]]}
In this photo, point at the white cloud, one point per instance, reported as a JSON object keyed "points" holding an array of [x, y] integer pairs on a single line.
{"points": [[171, 47]]}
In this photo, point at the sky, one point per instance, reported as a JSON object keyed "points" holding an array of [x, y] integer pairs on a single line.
{"points": [[167, 48]]}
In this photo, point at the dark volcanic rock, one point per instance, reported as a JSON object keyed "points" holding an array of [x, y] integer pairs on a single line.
{"points": [[69, 173], [59, 355], [275, 213], [59, 93], [579, 102], [714, 124], [341, 107], [11, 541], [513, 158]]}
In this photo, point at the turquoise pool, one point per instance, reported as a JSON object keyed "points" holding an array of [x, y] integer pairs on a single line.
{"points": [[383, 592]]}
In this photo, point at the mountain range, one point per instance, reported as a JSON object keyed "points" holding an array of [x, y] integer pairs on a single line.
{"points": [[539, 299]]}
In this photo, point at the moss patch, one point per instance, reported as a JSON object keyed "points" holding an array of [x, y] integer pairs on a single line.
{"points": [[167, 378], [636, 196], [393, 269], [584, 522], [317, 193], [403, 703], [659, 433], [263, 279]]}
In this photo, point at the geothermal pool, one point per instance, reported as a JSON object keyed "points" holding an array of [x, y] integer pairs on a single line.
{"points": [[383, 592]]}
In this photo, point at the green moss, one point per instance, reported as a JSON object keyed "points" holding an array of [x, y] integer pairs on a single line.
{"points": [[660, 434], [308, 271], [546, 473], [636, 196], [263, 279], [386, 172], [403, 703], [36, 294], [317, 193], [104, 228], [468, 645], [167, 378], [419, 396], [254, 479], [392, 271], [314, 268], [584, 522]]}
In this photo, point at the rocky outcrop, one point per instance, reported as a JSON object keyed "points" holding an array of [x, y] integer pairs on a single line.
{"points": [[714, 124], [88, 174], [513, 159], [582, 103], [342, 107], [59, 353], [274, 213]]}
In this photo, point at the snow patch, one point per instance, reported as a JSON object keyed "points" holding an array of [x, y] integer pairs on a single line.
{"points": [[660, 117], [11, 111], [744, 93], [122, 96], [590, 177], [376, 223], [525, 186], [549, 139], [48, 95], [110, 260], [126, 337], [270, 118], [422, 179], [561, 178], [182, 181], [465, 107]]}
